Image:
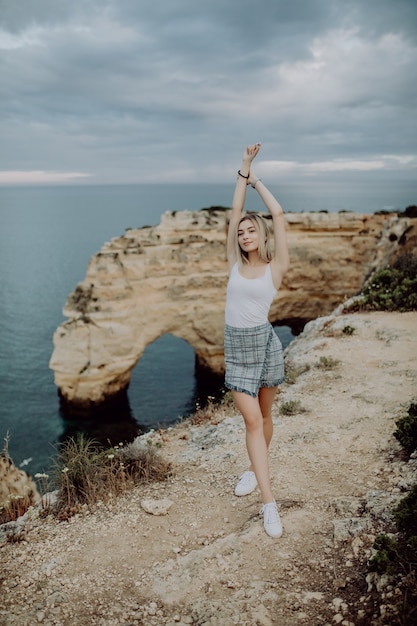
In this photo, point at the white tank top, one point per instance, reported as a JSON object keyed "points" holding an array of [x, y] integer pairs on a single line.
{"points": [[248, 299]]}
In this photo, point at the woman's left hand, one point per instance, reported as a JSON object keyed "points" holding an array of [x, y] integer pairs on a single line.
{"points": [[251, 152]]}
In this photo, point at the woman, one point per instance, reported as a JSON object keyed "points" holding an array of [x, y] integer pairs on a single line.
{"points": [[253, 352]]}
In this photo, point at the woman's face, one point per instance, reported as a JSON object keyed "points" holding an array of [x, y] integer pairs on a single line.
{"points": [[247, 236]]}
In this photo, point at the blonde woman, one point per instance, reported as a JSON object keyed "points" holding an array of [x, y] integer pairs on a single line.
{"points": [[253, 352]]}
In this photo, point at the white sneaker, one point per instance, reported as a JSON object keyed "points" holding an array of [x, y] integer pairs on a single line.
{"points": [[247, 483], [272, 522]]}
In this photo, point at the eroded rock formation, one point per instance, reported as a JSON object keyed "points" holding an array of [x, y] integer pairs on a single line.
{"points": [[18, 490], [172, 278]]}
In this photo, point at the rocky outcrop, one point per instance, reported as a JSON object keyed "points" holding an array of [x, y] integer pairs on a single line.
{"points": [[18, 490], [172, 278]]}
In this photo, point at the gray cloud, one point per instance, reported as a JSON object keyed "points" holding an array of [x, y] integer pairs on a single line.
{"points": [[149, 91]]}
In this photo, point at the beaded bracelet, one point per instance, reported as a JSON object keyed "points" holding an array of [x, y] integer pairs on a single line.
{"points": [[240, 174]]}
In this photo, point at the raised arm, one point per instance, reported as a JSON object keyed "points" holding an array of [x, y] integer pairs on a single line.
{"points": [[281, 260], [239, 200]]}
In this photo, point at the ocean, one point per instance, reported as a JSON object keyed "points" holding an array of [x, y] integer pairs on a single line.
{"points": [[48, 235]]}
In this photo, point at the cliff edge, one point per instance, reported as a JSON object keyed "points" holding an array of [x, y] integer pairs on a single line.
{"points": [[336, 472]]}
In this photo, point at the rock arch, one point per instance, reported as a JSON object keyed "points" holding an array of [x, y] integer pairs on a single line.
{"points": [[172, 278], [163, 383]]}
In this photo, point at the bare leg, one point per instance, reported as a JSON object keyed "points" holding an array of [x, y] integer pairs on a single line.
{"points": [[255, 441], [266, 398]]}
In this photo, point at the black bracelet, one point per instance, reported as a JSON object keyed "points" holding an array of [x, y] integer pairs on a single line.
{"points": [[240, 174]]}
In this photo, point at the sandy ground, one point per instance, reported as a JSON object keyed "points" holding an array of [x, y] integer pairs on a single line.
{"points": [[336, 470]]}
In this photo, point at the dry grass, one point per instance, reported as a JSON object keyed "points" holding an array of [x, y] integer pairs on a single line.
{"points": [[211, 412], [15, 507], [85, 474]]}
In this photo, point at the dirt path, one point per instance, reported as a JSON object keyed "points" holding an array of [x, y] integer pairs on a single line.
{"points": [[335, 468]]}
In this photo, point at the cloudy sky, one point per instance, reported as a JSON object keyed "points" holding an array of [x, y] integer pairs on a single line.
{"points": [[114, 91]]}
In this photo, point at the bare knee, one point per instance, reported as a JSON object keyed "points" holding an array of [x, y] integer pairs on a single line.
{"points": [[250, 410], [253, 423], [267, 417]]}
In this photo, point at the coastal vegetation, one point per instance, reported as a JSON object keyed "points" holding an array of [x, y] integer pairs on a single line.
{"points": [[406, 432], [410, 211], [396, 553], [291, 407], [15, 507], [86, 474], [210, 411], [327, 363], [393, 288]]}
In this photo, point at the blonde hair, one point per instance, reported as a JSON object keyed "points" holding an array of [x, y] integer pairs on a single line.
{"points": [[265, 244]]}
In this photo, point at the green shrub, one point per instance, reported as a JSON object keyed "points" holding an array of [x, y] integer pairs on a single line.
{"points": [[410, 211], [386, 559], [291, 407], [406, 515], [406, 432], [348, 330], [393, 288], [327, 363], [398, 558]]}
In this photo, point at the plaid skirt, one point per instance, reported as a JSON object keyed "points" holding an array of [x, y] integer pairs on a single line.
{"points": [[253, 358]]}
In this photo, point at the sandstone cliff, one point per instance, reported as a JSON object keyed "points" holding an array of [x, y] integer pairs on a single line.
{"points": [[172, 278], [18, 490]]}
